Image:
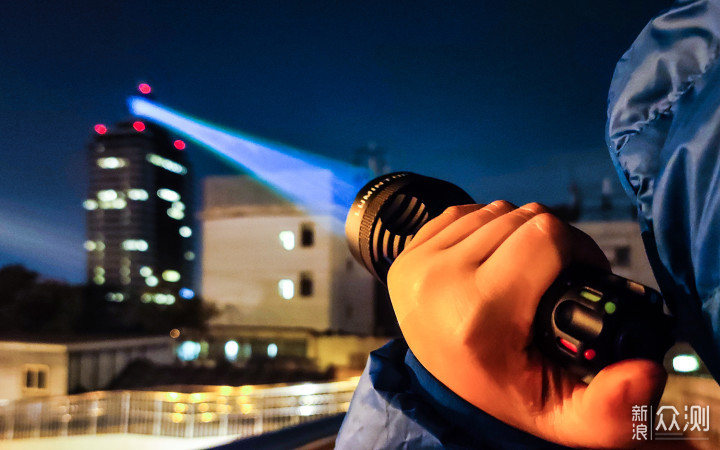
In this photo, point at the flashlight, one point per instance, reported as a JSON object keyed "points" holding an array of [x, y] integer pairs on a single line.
{"points": [[586, 320]]}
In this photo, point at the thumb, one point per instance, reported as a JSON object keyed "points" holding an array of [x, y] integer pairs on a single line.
{"points": [[604, 411]]}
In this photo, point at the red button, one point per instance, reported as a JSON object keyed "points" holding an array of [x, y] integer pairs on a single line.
{"points": [[590, 354], [568, 345]]}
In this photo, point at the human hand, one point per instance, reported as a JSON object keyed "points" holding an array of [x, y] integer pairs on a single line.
{"points": [[465, 292]]}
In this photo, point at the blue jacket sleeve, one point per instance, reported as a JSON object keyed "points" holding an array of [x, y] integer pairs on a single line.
{"points": [[663, 133], [399, 404]]}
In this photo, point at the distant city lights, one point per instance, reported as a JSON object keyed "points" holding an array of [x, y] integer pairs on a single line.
{"points": [[231, 350], [166, 164], [100, 129], [188, 351], [171, 276], [272, 350], [112, 162], [144, 88]]}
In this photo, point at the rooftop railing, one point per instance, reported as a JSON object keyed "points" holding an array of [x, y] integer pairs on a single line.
{"points": [[220, 411]]}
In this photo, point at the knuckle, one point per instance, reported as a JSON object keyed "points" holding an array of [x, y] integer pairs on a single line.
{"points": [[454, 211], [549, 225], [502, 204], [535, 207]]}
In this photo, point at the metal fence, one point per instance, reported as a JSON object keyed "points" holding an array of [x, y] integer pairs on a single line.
{"points": [[223, 411]]}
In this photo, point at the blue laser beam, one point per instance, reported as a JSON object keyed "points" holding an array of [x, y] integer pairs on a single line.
{"points": [[317, 184]]}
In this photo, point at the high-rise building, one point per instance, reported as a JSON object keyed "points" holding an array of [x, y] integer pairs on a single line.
{"points": [[139, 221]]}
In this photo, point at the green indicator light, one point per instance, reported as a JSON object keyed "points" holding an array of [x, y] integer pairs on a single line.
{"points": [[610, 307], [589, 295]]}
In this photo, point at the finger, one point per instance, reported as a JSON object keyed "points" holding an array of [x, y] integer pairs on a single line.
{"points": [[469, 223], [524, 266], [434, 226], [478, 243], [602, 412]]}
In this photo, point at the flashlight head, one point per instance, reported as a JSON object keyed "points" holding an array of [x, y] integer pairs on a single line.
{"points": [[388, 212]]}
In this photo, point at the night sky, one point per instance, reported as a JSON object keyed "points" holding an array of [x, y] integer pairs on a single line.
{"points": [[505, 98]]}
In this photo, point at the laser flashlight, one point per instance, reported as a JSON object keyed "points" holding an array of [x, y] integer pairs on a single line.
{"points": [[585, 321]]}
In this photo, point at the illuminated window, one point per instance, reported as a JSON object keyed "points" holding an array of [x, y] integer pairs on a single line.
{"points": [[112, 162], [90, 245], [306, 284], [177, 210], [286, 289], [109, 199], [171, 276], [152, 281], [272, 350], [185, 231], [166, 164], [188, 351], [118, 203], [115, 296], [90, 204], [231, 350], [176, 214], [189, 256], [145, 271], [36, 377], [137, 194], [307, 234], [287, 239], [99, 280], [168, 194], [107, 195], [135, 245], [163, 299]]}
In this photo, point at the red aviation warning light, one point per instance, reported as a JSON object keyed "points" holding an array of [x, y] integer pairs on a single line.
{"points": [[100, 129], [144, 88], [180, 145], [139, 126]]}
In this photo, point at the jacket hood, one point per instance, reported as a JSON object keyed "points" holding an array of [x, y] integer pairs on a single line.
{"points": [[663, 133]]}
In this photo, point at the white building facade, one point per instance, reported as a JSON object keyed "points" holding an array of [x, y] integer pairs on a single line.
{"points": [[266, 263]]}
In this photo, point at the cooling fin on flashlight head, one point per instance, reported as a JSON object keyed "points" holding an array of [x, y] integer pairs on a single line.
{"points": [[389, 210]]}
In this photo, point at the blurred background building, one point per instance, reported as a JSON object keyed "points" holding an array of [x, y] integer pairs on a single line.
{"points": [[139, 215]]}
